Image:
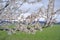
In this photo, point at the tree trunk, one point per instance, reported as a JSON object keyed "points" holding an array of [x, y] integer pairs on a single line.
{"points": [[50, 12]]}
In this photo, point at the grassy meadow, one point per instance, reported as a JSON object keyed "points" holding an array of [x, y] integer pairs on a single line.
{"points": [[50, 33]]}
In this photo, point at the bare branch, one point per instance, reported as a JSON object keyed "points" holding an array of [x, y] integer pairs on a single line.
{"points": [[57, 11]]}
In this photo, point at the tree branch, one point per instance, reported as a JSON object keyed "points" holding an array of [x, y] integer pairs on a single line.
{"points": [[57, 11]]}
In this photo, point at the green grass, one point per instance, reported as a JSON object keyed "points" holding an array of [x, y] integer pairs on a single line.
{"points": [[50, 33]]}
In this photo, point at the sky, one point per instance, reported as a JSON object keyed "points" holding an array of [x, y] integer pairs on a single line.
{"points": [[36, 6], [57, 3], [57, 6]]}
